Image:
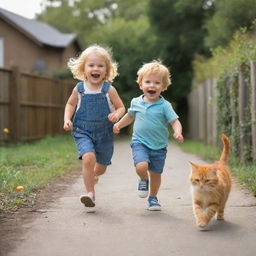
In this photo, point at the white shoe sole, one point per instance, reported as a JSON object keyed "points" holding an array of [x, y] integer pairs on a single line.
{"points": [[90, 209], [142, 194], [154, 208]]}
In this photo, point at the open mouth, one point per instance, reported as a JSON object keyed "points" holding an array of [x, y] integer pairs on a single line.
{"points": [[151, 92], [95, 75]]}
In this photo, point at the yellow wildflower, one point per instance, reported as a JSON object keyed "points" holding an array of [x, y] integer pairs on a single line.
{"points": [[19, 188], [6, 130]]}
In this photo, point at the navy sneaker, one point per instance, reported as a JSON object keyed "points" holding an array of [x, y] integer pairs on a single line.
{"points": [[153, 204], [142, 188]]}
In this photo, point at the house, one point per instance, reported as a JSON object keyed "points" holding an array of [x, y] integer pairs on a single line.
{"points": [[33, 46]]}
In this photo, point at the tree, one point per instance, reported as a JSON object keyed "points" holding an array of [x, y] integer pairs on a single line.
{"points": [[77, 16], [179, 25], [229, 16]]}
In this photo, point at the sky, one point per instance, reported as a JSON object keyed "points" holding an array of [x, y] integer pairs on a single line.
{"points": [[26, 8]]}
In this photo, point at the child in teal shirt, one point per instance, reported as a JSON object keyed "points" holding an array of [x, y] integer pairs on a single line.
{"points": [[152, 115]]}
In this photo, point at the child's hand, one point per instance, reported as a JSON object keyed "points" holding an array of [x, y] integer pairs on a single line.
{"points": [[116, 129], [67, 125], [178, 137], [113, 117]]}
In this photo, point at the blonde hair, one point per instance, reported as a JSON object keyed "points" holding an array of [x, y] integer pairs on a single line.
{"points": [[154, 67], [76, 65]]}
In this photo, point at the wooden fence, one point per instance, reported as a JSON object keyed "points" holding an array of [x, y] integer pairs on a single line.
{"points": [[203, 111], [31, 106]]}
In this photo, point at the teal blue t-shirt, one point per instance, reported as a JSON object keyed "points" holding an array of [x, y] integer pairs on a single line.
{"points": [[151, 121]]}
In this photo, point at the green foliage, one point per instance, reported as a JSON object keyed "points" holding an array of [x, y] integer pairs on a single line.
{"points": [[229, 16], [224, 120], [130, 10], [225, 66], [227, 60], [79, 17], [179, 26]]}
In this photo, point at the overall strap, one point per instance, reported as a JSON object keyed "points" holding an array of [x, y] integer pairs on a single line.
{"points": [[80, 87], [105, 87]]}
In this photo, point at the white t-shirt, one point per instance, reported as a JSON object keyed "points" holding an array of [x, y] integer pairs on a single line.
{"points": [[88, 91]]}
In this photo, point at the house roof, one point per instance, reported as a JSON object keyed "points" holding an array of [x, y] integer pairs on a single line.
{"points": [[40, 32]]}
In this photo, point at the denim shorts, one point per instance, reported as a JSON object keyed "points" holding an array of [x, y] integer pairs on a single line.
{"points": [[101, 146], [155, 158]]}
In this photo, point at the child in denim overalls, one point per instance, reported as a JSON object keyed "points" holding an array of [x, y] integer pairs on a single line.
{"points": [[153, 115], [97, 106]]}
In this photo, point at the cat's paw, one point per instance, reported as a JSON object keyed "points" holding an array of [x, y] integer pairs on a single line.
{"points": [[220, 217], [203, 228], [202, 225]]}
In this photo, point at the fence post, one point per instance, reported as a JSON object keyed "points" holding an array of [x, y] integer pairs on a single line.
{"points": [[253, 108], [14, 106]]}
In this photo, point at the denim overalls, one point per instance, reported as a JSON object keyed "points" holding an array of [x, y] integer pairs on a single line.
{"points": [[92, 130]]}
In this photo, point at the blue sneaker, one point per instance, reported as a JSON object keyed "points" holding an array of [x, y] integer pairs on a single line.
{"points": [[153, 204], [142, 188]]}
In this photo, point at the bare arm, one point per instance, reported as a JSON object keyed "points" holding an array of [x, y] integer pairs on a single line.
{"points": [[69, 110], [118, 104], [177, 128], [125, 121]]}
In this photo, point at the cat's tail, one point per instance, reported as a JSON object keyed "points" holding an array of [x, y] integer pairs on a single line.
{"points": [[226, 148]]}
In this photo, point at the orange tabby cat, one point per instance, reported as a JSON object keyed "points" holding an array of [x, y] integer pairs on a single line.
{"points": [[211, 185]]}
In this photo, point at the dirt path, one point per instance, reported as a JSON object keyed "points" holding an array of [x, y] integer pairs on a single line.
{"points": [[123, 226]]}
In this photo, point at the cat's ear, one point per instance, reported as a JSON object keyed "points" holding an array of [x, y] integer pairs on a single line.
{"points": [[194, 166]]}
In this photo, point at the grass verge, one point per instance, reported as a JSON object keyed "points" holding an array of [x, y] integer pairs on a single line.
{"points": [[33, 166], [245, 173]]}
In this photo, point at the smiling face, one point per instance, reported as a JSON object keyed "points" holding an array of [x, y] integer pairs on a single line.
{"points": [[152, 86], [95, 69]]}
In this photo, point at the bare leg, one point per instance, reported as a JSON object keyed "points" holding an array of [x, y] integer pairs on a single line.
{"points": [[89, 161], [155, 182], [98, 170], [142, 170]]}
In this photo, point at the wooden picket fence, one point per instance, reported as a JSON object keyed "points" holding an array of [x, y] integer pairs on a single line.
{"points": [[31, 106], [203, 111]]}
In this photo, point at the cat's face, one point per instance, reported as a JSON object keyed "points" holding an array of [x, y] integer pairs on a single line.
{"points": [[203, 177]]}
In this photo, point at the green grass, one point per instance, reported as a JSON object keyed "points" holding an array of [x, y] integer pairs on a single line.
{"points": [[33, 166], [208, 153], [245, 173]]}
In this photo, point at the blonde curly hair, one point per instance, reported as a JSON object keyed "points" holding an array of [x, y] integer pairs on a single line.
{"points": [[155, 67], [76, 65]]}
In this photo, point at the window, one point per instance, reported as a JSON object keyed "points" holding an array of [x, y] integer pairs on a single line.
{"points": [[1, 52], [40, 66]]}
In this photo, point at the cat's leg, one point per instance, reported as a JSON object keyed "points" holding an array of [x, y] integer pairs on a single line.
{"points": [[220, 214], [198, 212], [203, 216], [220, 211], [211, 211]]}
